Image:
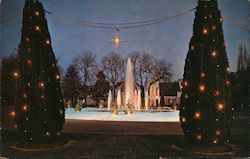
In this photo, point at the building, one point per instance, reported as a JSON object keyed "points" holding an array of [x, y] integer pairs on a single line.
{"points": [[165, 94]]}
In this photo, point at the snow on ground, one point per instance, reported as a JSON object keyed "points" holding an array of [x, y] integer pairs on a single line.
{"points": [[104, 115]]}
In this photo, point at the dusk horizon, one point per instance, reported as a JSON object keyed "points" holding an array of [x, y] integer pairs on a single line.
{"points": [[167, 40]]}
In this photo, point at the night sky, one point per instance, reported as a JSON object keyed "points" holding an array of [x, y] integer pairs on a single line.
{"points": [[167, 40]]}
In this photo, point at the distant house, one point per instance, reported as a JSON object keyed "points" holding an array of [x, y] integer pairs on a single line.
{"points": [[165, 94]]}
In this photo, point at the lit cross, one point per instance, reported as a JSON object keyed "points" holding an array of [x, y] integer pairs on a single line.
{"points": [[117, 40]]}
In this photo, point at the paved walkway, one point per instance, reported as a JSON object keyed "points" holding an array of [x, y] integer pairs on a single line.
{"points": [[122, 127]]}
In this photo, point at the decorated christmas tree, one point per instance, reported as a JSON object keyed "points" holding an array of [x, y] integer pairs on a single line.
{"points": [[206, 107], [39, 110]]}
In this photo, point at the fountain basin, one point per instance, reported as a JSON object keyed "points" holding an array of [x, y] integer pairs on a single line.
{"points": [[137, 116]]}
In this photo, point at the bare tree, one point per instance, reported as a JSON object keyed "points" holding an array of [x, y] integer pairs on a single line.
{"points": [[161, 70], [243, 58], [86, 63], [142, 66], [113, 68]]}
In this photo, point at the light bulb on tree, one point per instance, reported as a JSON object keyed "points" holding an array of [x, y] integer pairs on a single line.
{"points": [[197, 115], [37, 13], [198, 137], [217, 132], [220, 106], [202, 88], [205, 31], [37, 28], [213, 54], [203, 74], [15, 74], [183, 119]]}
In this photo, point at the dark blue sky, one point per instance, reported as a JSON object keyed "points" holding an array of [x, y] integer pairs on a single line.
{"points": [[167, 40]]}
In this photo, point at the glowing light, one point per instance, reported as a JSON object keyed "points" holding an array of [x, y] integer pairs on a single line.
{"points": [[47, 134], [227, 82], [192, 47], [220, 106], [214, 54], [205, 31], [217, 93], [215, 141], [29, 49], [24, 95], [202, 88], [27, 39], [37, 28], [203, 74], [37, 13], [57, 77], [186, 96], [53, 65], [47, 42], [198, 137], [183, 119], [15, 74], [58, 133], [217, 132], [221, 19], [25, 108], [13, 113], [185, 83], [29, 62], [213, 27], [117, 41], [197, 115], [41, 84], [228, 69], [61, 112]]}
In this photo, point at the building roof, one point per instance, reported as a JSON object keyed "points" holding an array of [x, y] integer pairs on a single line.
{"points": [[169, 89]]}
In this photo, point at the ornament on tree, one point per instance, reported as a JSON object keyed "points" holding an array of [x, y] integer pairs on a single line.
{"points": [[128, 108], [206, 106], [39, 110], [115, 110]]}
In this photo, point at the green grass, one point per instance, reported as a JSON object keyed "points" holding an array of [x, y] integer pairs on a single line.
{"points": [[128, 146]]}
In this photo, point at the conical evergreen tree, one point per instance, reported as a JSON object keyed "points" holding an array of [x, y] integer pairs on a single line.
{"points": [[206, 107], [39, 109]]}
